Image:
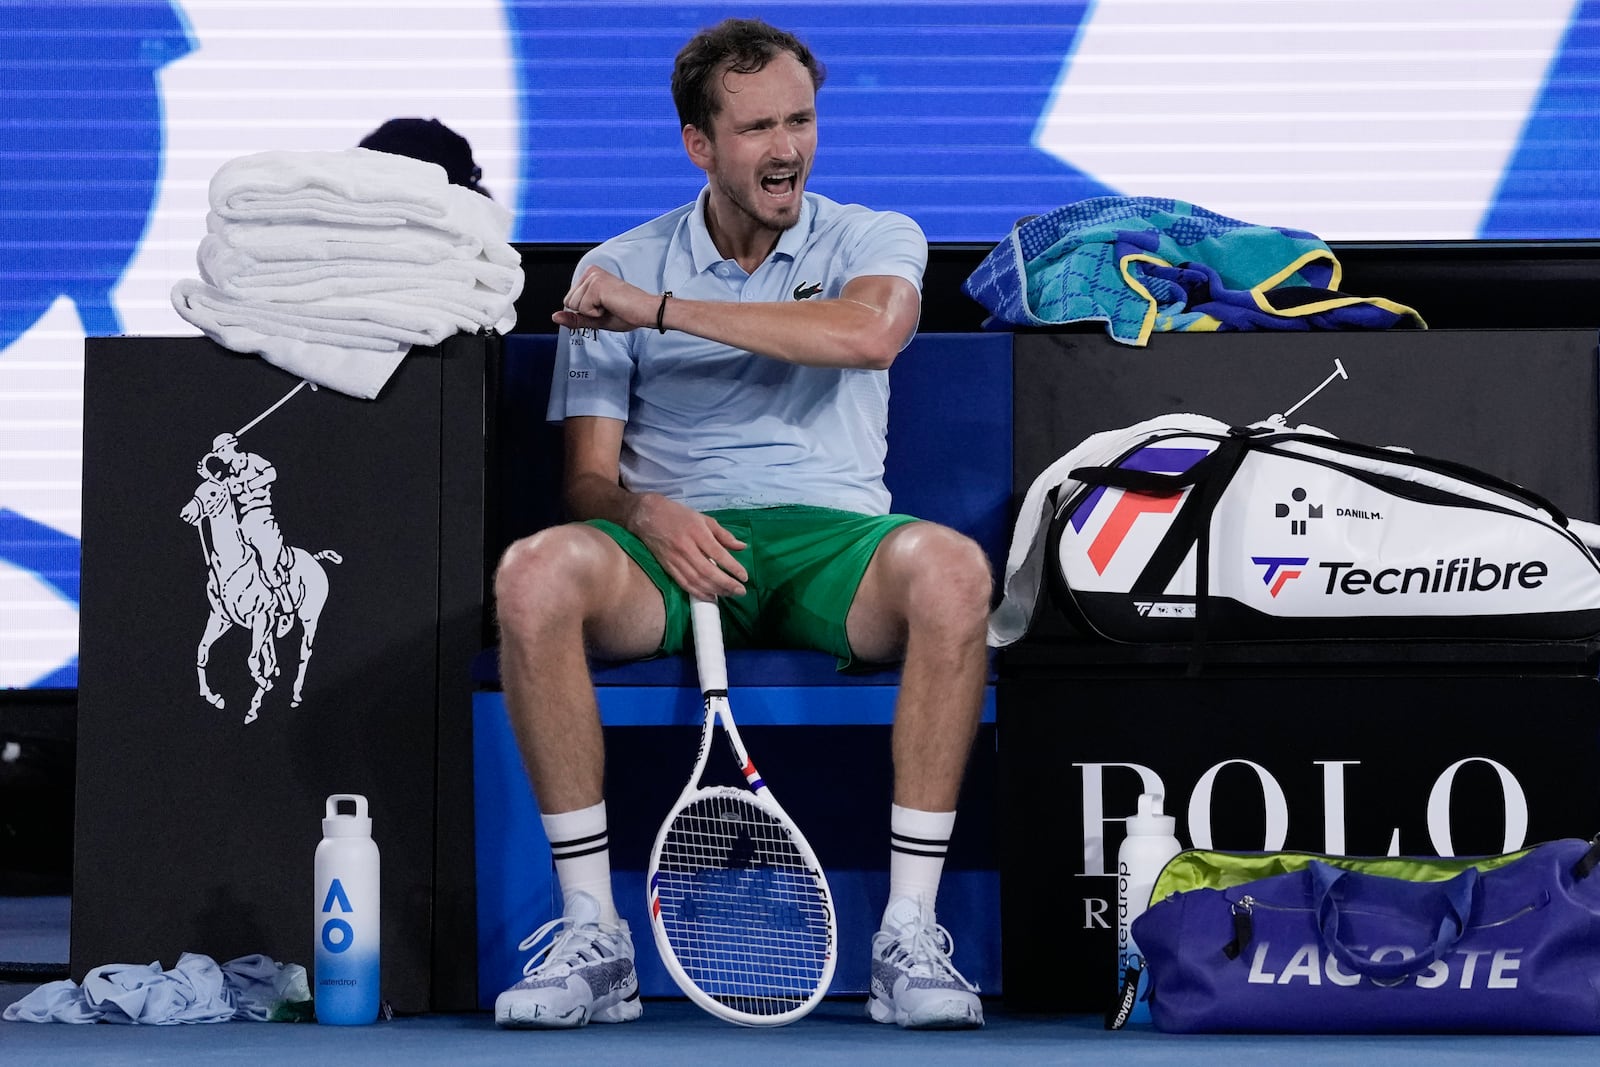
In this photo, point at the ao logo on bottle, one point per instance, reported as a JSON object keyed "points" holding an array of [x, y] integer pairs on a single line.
{"points": [[337, 934]]}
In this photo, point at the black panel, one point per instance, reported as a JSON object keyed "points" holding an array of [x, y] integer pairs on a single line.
{"points": [[1396, 716], [195, 829], [1520, 404], [462, 634], [1399, 732], [38, 728]]}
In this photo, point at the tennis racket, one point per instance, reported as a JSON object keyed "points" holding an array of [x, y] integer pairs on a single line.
{"points": [[740, 908]]}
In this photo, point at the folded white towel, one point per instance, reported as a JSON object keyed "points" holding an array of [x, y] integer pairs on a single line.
{"points": [[357, 176], [352, 363], [235, 270], [476, 235], [268, 242], [421, 304], [470, 309], [358, 187], [419, 317], [332, 264]]}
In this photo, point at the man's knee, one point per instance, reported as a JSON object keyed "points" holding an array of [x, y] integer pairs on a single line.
{"points": [[945, 566], [548, 569], [574, 579]]}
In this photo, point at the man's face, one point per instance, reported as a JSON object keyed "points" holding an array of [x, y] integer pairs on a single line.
{"points": [[763, 141]]}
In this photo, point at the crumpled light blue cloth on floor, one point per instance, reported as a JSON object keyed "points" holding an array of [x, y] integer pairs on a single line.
{"points": [[196, 990]]}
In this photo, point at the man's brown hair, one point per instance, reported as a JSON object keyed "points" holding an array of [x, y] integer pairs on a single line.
{"points": [[733, 46]]}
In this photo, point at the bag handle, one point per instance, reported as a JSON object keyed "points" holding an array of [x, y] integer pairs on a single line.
{"points": [[1588, 861], [1456, 896]]}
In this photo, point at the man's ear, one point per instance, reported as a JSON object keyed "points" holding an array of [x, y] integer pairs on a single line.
{"points": [[702, 152]]}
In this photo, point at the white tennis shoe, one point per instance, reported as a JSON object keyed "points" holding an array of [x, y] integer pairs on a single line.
{"points": [[584, 975], [914, 984]]}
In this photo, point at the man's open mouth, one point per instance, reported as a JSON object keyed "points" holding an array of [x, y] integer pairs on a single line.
{"points": [[780, 184]]}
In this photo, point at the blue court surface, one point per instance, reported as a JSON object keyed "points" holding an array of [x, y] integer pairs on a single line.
{"points": [[675, 1032]]}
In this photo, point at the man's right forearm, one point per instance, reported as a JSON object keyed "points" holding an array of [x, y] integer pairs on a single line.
{"points": [[693, 549], [590, 496]]}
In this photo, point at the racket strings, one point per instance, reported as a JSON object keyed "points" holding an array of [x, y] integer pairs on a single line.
{"points": [[741, 907]]}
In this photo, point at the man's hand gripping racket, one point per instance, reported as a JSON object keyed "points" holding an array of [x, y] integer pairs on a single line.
{"points": [[742, 915]]}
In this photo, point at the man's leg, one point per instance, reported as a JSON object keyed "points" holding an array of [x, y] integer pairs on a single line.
{"points": [[926, 593], [561, 593]]}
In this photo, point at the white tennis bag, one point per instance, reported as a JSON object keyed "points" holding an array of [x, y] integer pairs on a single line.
{"points": [[1183, 528]]}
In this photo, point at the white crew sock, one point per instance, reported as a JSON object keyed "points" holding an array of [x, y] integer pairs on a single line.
{"points": [[581, 848], [918, 841]]}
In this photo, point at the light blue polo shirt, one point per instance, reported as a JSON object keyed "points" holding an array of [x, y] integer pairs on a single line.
{"points": [[718, 427]]}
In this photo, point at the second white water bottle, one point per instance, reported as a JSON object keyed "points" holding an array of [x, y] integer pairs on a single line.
{"points": [[1151, 841], [346, 901]]}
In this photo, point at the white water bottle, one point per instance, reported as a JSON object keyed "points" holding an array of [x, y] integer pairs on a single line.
{"points": [[1149, 844], [346, 902]]}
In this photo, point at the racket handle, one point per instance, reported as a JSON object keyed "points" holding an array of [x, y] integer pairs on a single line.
{"points": [[708, 656]]}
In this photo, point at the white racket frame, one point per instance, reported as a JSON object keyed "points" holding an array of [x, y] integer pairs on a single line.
{"points": [[711, 663]]}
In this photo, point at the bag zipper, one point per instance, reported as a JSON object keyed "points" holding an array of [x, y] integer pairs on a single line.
{"points": [[1244, 927]]}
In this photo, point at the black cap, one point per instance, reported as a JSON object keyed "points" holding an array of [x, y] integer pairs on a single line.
{"points": [[432, 141]]}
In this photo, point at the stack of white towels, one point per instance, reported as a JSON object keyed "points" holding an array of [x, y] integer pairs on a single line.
{"points": [[332, 265]]}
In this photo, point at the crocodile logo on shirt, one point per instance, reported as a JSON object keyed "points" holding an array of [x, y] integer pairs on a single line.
{"points": [[807, 290]]}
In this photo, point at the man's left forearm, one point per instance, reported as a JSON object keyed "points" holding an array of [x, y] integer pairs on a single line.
{"points": [[817, 333], [865, 326]]}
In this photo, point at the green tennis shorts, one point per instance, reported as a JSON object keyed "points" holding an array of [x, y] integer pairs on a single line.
{"points": [[804, 563]]}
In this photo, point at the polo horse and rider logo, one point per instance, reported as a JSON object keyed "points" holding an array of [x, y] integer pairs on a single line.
{"points": [[255, 581]]}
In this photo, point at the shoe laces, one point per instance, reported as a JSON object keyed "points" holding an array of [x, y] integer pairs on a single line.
{"points": [[923, 949], [577, 943]]}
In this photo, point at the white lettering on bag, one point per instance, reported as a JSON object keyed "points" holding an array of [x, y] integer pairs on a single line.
{"points": [[1308, 965], [1461, 575]]}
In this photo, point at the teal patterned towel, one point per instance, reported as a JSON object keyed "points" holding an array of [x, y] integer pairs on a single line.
{"points": [[1148, 263]]}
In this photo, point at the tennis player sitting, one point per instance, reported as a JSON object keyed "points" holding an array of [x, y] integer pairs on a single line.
{"points": [[722, 375]]}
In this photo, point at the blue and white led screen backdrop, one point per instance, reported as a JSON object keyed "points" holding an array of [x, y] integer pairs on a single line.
{"points": [[1357, 120]]}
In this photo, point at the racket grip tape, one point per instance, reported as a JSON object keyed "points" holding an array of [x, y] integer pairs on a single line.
{"points": [[708, 654]]}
